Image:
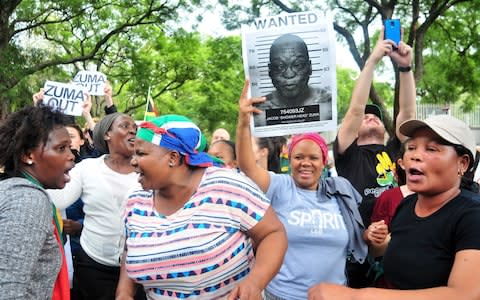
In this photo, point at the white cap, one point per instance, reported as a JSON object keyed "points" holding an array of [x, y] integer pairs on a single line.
{"points": [[447, 127]]}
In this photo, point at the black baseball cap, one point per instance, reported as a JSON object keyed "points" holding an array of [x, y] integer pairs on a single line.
{"points": [[375, 110]]}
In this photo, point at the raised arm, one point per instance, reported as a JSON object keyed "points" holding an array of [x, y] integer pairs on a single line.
{"points": [[245, 155], [348, 130], [86, 109], [110, 107], [407, 93], [461, 285]]}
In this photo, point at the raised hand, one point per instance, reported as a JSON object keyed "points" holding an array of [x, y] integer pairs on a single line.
{"points": [[246, 105], [38, 97], [382, 48]]}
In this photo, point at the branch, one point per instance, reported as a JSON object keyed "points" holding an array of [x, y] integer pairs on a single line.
{"points": [[437, 9], [283, 7], [45, 20], [377, 5], [348, 11], [351, 43], [413, 25], [98, 45]]}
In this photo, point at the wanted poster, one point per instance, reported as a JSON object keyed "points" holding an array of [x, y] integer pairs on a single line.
{"points": [[290, 60]]}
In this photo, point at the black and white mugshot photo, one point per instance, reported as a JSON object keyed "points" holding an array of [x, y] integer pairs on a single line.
{"points": [[290, 60]]}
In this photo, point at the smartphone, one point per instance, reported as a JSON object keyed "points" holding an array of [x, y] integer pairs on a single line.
{"points": [[392, 30]]}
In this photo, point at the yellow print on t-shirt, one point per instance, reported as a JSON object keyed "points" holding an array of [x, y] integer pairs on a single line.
{"points": [[386, 170]]}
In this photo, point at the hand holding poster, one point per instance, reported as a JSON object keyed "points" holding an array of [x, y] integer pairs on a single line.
{"points": [[92, 81], [290, 59], [65, 97]]}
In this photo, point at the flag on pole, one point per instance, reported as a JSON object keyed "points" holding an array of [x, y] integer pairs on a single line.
{"points": [[150, 110]]}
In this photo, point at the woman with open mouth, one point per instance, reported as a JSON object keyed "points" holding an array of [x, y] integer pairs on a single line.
{"points": [[195, 231], [35, 155], [102, 183], [434, 248]]}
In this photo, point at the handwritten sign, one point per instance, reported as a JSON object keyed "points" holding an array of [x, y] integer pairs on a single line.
{"points": [[68, 98], [92, 81]]}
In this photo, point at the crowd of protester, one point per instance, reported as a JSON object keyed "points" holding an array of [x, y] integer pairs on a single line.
{"points": [[150, 210]]}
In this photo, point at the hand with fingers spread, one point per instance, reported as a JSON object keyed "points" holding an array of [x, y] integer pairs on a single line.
{"points": [[247, 105]]}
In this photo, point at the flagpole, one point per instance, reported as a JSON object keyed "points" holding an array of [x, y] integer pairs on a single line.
{"points": [[146, 106]]}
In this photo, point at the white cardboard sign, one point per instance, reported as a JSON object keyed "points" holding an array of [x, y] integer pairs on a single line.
{"points": [[92, 81], [68, 98]]}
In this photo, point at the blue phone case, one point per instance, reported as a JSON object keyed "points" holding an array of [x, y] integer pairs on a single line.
{"points": [[392, 30]]}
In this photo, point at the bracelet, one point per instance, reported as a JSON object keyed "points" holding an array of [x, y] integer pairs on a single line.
{"points": [[404, 69]]}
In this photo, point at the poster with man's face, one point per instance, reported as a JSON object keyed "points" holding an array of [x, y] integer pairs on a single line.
{"points": [[290, 60]]}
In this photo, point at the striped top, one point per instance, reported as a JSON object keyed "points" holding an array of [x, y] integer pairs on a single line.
{"points": [[201, 251]]}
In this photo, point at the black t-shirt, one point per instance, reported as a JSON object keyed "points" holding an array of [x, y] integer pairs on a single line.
{"points": [[369, 169], [422, 250]]}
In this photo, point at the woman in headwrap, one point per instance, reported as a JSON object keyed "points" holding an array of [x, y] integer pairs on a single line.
{"points": [[102, 183], [320, 215], [191, 229], [35, 155]]}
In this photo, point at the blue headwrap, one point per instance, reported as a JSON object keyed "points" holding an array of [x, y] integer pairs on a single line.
{"points": [[177, 133]]}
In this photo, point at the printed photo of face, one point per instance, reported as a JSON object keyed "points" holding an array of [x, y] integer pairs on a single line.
{"points": [[290, 66]]}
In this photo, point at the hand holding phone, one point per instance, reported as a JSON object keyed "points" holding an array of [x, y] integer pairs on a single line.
{"points": [[392, 30]]}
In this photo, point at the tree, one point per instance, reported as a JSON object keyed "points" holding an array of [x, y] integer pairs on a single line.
{"points": [[200, 77], [363, 15], [452, 61], [129, 42], [38, 38]]}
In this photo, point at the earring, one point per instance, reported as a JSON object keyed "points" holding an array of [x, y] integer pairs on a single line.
{"points": [[170, 164], [29, 162]]}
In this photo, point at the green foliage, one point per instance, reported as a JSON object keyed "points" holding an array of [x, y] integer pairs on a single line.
{"points": [[452, 62], [62, 37], [345, 83], [346, 79]]}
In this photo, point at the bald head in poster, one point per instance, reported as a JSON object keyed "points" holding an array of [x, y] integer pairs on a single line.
{"points": [[290, 69]]}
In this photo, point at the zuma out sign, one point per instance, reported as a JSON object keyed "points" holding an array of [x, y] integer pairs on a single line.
{"points": [[65, 97], [92, 81]]}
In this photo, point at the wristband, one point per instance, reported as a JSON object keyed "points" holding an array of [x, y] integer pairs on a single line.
{"points": [[404, 69]]}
